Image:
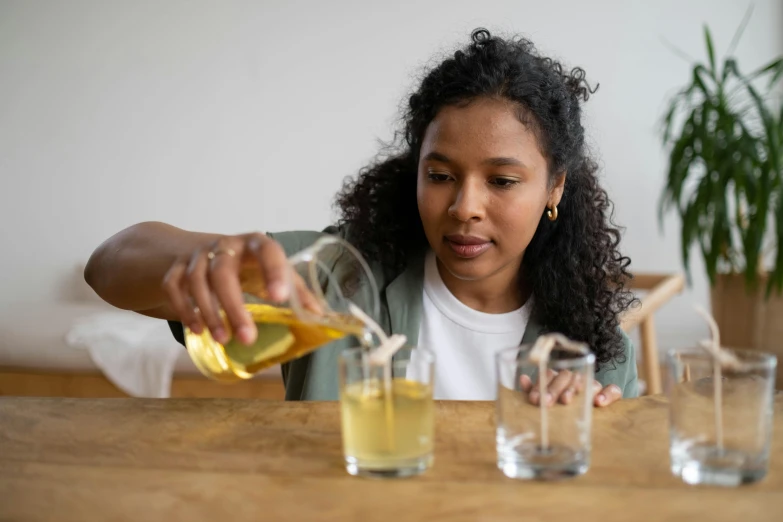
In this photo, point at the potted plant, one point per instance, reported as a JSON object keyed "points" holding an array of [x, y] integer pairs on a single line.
{"points": [[724, 135]]}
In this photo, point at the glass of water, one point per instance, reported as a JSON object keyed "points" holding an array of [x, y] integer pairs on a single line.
{"points": [[720, 436], [536, 441], [387, 413]]}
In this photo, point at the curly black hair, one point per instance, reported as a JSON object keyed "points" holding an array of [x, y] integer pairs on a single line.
{"points": [[573, 265]]}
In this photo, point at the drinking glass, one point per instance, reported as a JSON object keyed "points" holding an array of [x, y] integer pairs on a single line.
{"points": [[324, 279], [535, 441], [720, 438], [387, 412]]}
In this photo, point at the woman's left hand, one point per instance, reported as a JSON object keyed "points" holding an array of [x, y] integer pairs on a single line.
{"points": [[563, 386]]}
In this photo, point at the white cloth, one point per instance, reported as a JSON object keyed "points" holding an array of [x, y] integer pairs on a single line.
{"points": [[136, 353], [464, 340]]}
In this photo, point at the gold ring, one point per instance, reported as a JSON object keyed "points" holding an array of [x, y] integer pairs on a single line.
{"points": [[214, 253]]}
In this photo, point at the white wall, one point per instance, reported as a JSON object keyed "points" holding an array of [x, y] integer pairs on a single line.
{"points": [[231, 116]]}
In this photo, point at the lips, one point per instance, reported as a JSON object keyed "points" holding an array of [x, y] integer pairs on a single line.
{"points": [[467, 247]]}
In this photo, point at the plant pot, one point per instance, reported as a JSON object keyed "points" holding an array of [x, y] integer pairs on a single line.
{"points": [[747, 320]]}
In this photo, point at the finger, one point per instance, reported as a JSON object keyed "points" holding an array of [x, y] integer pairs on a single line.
{"points": [[558, 386], [174, 287], [274, 265], [223, 277], [306, 297], [525, 383], [578, 384], [199, 288], [608, 395], [596, 389], [575, 388], [535, 394]]}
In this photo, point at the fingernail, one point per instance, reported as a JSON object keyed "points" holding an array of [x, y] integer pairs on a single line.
{"points": [[534, 396], [278, 291], [549, 398], [601, 398], [196, 328], [246, 334], [219, 334], [567, 396]]}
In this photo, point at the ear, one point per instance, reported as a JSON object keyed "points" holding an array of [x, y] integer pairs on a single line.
{"points": [[556, 190]]}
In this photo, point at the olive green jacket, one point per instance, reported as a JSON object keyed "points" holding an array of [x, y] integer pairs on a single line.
{"points": [[315, 376]]}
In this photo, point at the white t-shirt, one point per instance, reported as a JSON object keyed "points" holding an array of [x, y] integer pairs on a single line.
{"points": [[464, 340]]}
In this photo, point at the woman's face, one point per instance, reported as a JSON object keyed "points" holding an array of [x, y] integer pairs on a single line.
{"points": [[482, 187]]}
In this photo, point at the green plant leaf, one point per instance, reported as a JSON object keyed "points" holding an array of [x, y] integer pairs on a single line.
{"points": [[775, 281], [717, 236], [680, 159], [770, 129], [780, 123], [688, 233], [776, 68], [697, 221], [668, 119], [774, 65], [740, 30], [710, 50], [729, 67], [698, 81]]}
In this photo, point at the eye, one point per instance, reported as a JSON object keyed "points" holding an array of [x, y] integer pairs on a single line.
{"points": [[504, 183], [438, 177]]}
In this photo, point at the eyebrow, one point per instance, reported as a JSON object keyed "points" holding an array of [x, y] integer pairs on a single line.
{"points": [[437, 156], [495, 162], [503, 162]]}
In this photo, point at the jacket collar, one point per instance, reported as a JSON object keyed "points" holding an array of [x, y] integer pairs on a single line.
{"points": [[404, 299]]}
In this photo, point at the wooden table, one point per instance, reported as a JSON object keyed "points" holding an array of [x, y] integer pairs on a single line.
{"points": [[197, 459]]}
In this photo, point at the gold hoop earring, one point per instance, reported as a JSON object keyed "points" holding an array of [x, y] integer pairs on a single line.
{"points": [[552, 213]]}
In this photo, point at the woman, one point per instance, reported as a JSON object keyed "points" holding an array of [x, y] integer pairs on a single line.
{"points": [[485, 226]]}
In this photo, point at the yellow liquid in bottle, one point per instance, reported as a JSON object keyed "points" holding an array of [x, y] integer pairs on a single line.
{"points": [[281, 338], [384, 432]]}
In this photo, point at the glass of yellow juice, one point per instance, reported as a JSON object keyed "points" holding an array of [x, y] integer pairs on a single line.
{"points": [[387, 413]]}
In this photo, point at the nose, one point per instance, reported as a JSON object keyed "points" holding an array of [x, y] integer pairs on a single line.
{"points": [[469, 202]]}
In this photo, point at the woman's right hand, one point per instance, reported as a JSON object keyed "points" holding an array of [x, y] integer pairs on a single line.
{"points": [[201, 283]]}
